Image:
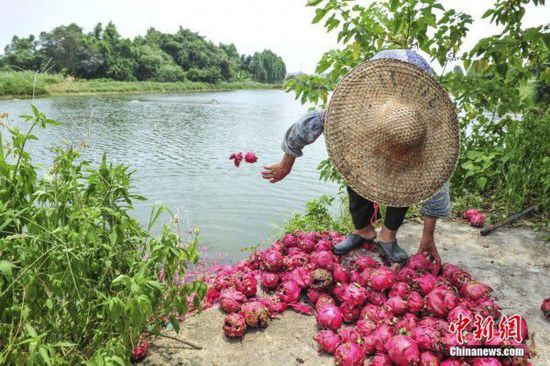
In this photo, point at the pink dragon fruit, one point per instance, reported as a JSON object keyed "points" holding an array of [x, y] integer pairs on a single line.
{"points": [[486, 306], [419, 262], [403, 350], [477, 220], [376, 297], [365, 262], [350, 313], [290, 240], [255, 314], [270, 280], [486, 361], [440, 301], [381, 279], [273, 260], [273, 304], [427, 338], [524, 330], [300, 275], [237, 158], [369, 344], [469, 213], [415, 302], [307, 245], [365, 327], [324, 299], [354, 294], [289, 292], [407, 274], [458, 311], [246, 283], [475, 290], [349, 354], [401, 289], [381, 360], [313, 295], [381, 335], [328, 341], [407, 323], [428, 359], [545, 308], [234, 325], [140, 351], [449, 340], [329, 316], [231, 300], [424, 283], [396, 305], [321, 279], [323, 259], [339, 274], [322, 245], [301, 308], [349, 334], [250, 157], [295, 260], [212, 295]]}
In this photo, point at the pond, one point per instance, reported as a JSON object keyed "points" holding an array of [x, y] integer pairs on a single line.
{"points": [[179, 144]]}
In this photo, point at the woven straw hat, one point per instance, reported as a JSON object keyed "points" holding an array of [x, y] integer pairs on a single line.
{"points": [[392, 132]]}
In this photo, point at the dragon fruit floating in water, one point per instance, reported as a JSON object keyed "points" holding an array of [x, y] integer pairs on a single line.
{"points": [[362, 309]]}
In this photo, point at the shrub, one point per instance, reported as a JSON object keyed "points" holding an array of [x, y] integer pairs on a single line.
{"points": [[80, 279]]}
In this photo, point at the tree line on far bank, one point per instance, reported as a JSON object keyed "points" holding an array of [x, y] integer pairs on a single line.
{"points": [[156, 56]]}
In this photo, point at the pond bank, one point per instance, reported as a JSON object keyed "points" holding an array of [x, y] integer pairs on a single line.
{"points": [[27, 84], [514, 261]]}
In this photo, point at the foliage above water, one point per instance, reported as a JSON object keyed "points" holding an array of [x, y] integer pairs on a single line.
{"points": [[80, 279], [500, 88], [103, 53]]}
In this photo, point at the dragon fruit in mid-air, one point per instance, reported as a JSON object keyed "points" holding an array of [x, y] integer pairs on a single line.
{"points": [[237, 158], [250, 157]]}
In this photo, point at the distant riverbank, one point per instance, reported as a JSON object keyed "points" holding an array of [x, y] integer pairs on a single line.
{"points": [[27, 84]]}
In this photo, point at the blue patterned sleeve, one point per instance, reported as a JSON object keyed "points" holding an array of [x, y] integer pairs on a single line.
{"points": [[304, 132], [439, 205]]}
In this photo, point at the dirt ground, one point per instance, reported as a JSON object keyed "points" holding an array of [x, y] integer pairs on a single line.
{"points": [[514, 261]]}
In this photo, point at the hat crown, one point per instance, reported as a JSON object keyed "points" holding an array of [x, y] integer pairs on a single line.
{"points": [[404, 125]]}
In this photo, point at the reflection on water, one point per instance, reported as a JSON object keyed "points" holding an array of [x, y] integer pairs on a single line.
{"points": [[179, 145]]}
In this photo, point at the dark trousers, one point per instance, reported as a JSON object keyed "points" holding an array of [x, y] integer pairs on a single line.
{"points": [[363, 212]]}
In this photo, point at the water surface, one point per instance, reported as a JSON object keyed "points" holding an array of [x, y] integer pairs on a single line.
{"points": [[179, 146]]}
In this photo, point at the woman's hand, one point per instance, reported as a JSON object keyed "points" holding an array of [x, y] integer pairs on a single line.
{"points": [[280, 170]]}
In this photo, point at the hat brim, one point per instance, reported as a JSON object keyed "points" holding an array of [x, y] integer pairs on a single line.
{"points": [[357, 142]]}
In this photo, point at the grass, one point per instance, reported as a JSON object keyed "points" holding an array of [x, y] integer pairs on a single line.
{"points": [[20, 85]]}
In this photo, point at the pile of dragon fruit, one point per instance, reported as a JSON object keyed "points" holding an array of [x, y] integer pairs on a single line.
{"points": [[363, 307]]}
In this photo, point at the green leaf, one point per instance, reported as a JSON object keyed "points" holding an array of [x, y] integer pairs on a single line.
{"points": [[6, 268], [313, 2], [481, 182], [319, 14]]}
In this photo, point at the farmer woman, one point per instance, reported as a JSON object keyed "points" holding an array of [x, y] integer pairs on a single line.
{"points": [[392, 134]]}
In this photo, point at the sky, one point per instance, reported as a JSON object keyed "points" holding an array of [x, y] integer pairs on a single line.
{"points": [[284, 26]]}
